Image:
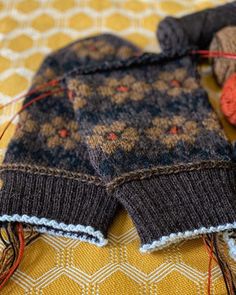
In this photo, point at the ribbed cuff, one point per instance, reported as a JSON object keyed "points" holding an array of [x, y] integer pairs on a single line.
{"points": [[169, 208], [56, 202]]}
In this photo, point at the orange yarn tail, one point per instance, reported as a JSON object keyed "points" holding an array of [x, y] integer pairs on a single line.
{"points": [[51, 83], [6, 275], [28, 104], [214, 245], [209, 269], [209, 249], [210, 53]]}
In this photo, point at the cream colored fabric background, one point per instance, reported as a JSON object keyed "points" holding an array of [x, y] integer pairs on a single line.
{"points": [[30, 29]]}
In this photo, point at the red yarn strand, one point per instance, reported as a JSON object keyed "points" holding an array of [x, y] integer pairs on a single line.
{"points": [[20, 255], [40, 87], [42, 96], [210, 53], [209, 249], [209, 269]]}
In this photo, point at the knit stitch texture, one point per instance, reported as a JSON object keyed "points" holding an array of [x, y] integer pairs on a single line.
{"points": [[155, 141], [48, 180]]}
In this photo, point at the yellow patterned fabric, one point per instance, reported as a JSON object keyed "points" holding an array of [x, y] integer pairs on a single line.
{"points": [[30, 29]]}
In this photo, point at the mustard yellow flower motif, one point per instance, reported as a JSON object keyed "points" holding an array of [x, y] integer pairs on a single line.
{"points": [[212, 123], [123, 89], [47, 75], [176, 82], [78, 92], [124, 52], [44, 77], [170, 131], [110, 138], [1, 183], [60, 132], [93, 49], [25, 126]]}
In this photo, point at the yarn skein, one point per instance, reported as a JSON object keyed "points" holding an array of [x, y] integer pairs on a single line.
{"points": [[194, 31], [224, 41]]}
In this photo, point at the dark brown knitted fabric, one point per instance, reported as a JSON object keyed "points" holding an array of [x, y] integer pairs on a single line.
{"points": [[158, 145], [48, 180]]}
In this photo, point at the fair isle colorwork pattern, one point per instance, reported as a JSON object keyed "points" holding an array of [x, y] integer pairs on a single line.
{"points": [[46, 173], [31, 29], [149, 119]]}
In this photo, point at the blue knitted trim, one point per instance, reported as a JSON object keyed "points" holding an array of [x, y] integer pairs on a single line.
{"points": [[83, 238], [177, 237], [230, 241], [59, 229]]}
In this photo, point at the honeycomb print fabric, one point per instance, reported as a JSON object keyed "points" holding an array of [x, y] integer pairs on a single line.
{"points": [[31, 29]]}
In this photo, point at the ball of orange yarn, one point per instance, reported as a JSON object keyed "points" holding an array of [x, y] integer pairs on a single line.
{"points": [[228, 99]]}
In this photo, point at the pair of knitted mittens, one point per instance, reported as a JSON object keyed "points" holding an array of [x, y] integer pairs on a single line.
{"points": [[138, 132], [48, 180]]}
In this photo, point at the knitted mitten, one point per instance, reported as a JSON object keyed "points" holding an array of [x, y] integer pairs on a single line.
{"points": [[48, 181], [156, 142]]}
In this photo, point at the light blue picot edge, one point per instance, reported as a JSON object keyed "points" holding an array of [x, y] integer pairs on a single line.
{"points": [[177, 237], [230, 241], [60, 229]]}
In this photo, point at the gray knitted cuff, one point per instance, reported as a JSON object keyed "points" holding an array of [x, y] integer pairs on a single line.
{"points": [[56, 201], [180, 203]]}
